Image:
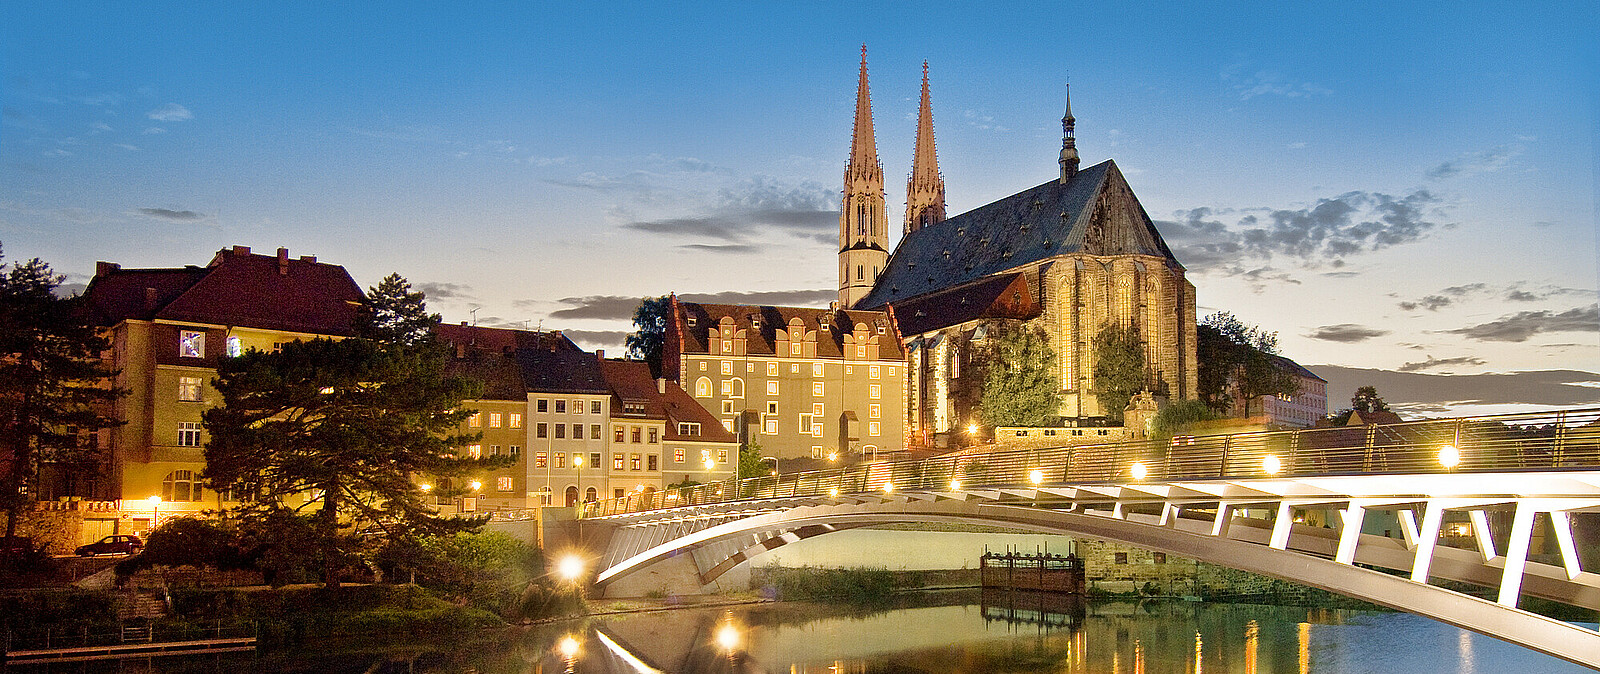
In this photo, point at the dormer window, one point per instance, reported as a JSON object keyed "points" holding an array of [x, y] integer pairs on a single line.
{"points": [[192, 344], [690, 321], [688, 428], [633, 409]]}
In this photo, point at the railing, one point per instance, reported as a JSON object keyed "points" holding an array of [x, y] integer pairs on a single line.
{"points": [[1563, 440]]}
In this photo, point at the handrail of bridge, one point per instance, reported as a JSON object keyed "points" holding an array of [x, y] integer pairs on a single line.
{"points": [[1559, 440]]}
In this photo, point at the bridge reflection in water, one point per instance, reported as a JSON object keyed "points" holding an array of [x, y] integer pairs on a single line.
{"points": [[974, 631]]}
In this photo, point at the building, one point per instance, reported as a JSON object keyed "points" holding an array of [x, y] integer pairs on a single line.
{"points": [[579, 426], [1302, 410], [1070, 256], [799, 382], [169, 327]]}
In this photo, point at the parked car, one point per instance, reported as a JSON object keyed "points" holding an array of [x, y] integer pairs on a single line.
{"points": [[15, 546], [123, 544]]}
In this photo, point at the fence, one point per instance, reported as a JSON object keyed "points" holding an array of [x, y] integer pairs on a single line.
{"points": [[1562, 440]]}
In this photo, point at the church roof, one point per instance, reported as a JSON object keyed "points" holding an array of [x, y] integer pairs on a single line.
{"points": [[984, 298], [1035, 224]]}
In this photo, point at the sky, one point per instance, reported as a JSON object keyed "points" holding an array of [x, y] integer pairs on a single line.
{"points": [[1400, 187]]}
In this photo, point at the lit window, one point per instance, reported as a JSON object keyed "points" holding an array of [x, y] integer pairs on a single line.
{"points": [[476, 420], [637, 434], [722, 456], [794, 348], [577, 407], [618, 460], [235, 348], [816, 369], [873, 428], [702, 388], [772, 369], [192, 344], [817, 409], [873, 371], [861, 352], [849, 369], [494, 420], [727, 367], [539, 459], [727, 424], [561, 459], [677, 455], [794, 368], [702, 366], [817, 389], [503, 483], [705, 455], [619, 435], [891, 370], [188, 434], [516, 420], [727, 387], [771, 427], [654, 435], [875, 391], [475, 451], [816, 429], [874, 411], [772, 387], [749, 367], [189, 389]]}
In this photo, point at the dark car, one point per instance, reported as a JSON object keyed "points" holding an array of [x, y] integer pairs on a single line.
{"points": [[15, 546], [124, 544]]}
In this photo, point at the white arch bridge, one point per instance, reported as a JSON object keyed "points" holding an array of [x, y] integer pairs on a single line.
{"points": [[1501, 503]]}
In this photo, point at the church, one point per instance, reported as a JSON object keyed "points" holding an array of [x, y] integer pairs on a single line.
{"points": [[1069, 256]]}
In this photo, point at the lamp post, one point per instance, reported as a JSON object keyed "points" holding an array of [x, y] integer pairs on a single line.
{"points": [[577, 467], [155, 511]]}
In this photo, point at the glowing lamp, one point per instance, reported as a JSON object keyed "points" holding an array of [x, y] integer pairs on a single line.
{"points": [[955, 485], [1139, 470], [1449, 456], [1036, 476], [570, 568], [1271, 464]]}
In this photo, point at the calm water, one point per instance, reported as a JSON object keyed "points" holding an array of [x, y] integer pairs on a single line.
{"points": [[965, 631]]}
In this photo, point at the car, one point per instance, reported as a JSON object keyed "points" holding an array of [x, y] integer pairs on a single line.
{"points": [[15, 546], [123, 544]]}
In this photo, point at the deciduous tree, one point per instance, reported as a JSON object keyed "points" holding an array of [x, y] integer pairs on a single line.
{"points": [[1238, 359], [1018, 389], [1119, 369], [650, 331]]}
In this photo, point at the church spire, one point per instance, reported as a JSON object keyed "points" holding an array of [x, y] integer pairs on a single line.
{"points": [[863, 221], [1069, 141], [925, 188]]}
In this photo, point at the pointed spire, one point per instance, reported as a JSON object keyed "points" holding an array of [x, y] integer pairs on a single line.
{"points": [[1069, 141], [925, 188], [863, 143], [863, 222]]}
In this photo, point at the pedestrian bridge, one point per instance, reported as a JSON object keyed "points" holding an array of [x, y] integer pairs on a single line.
{"points": [[1404, 515]]}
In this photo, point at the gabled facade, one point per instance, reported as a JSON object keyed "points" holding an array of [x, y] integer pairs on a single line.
{"points": [[799, 382]]}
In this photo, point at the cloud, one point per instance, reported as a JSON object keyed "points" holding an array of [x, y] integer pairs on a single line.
{"points": [[100, 127], [620, 307], [1413, 389], [173, 215], [1346, 333], [171, 112], [726, 248], [604, 339], [1323, 234], [1443, 298], [741, 213], [1298, 145], [1520, 326], [1434, 363], [445, 291], [125, 146], [1472, 163], [1267, 83], [151, 131]]}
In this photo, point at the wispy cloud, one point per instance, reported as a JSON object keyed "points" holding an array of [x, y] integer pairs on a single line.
{"points": [[172, 215], [1486, 161], [445, 291], [739, 216], [1250, 82], [621, 307], [171, 112], [1443, 298], [1437, 363], [1346, 333], [1520, 326]]}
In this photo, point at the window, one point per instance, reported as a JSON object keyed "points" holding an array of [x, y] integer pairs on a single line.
{"points": [[677, 455], [874, 411], [515, 450], [874, 428], [619, 435], [794, 349], [849, 369], [652, 462], [705, 455], [702, 388], [738, 388], [594, 405], [749, 367], [515, 421], [655, 435], [577, 431], [1158, 557], [770, 427], [617, 460], [180, 485], [872, 371], [1122, 558], [475, 451], [816, 451], [192, 344], [636, 434], [861, 352], [794, 368], [561, 459], [189, 389], [594, 459], [494, 450], [688, 428], [727, 407], [818, 388], [772, 369], [577, 407], [816, 409], [727, 387], [633, 409], [188, 434], [234, 347], [772, 408], [475, 420], [539, 460], [561, 407], [891, 370], [772, 387], [494, 420], [816, 369], [277, 347], [619, 492], [875, 391], [727, 367], [543, 405], [702, 366], [861, 274], [816, 429], [722, 456], [561, 431], [594, 431], [503, 483], [541, 430]]}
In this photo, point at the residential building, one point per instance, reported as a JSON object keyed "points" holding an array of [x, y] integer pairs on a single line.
{"points": [[1304, 409], [659, 435], [798, 382]]}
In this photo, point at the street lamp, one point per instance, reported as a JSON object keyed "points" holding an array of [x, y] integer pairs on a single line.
{"points": [[1271, 464], [1036, 476], [1449, 457], [155, 511], [1139, 470], [577, 467]]}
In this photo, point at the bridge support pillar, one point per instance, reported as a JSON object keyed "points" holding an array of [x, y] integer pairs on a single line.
{"points": [[1517, 554], [1427, 538]]}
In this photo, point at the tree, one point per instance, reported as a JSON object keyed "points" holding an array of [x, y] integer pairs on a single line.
{"points": [[392, 314], [1014, 361], [1238, 359], [1366, 400], [1119, 368], [53, 383], [650, 331], [343, 425], [1180, 416]]}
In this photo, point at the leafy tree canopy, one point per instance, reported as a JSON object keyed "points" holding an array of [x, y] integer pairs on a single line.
{"points": [[1180, 416], [1235, 357], [1366, 400], [53, 382], [1018, 389], [650, 331], [1119, 368]]}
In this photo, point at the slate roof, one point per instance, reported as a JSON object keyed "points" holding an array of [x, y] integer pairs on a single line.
{"points": [[1032, 225], [1296, 368], [237, 288], [630, 381], [546, 371], [983, 298], [772, 318]]}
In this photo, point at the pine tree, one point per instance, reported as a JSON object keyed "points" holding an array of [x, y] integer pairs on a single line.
{"points": [[393, 314], [53, 383]]}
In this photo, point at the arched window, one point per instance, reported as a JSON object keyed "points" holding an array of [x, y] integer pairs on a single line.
{"points": [[572, 496], [738, 388], [180, 485], [702, 387], [590, 495]]}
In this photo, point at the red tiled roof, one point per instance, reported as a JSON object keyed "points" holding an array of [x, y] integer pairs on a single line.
{"points": [[630, 382], [830, 343], [503, 340]]}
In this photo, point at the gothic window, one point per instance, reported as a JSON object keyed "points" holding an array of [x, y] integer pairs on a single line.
{"points": [[702, 387]]}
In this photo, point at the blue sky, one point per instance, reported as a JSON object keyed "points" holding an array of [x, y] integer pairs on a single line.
{"points": [[1401, 188]]}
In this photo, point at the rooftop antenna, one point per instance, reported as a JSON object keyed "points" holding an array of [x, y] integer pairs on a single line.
{"points": [[474, 313]]}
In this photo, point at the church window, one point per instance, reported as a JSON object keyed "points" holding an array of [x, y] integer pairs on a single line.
{"points": [[860, 273]]}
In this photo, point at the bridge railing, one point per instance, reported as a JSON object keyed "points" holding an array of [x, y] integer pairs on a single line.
{"points": [[1567, 439]]}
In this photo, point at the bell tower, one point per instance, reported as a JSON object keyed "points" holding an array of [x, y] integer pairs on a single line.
{"points": [[863, 223]]}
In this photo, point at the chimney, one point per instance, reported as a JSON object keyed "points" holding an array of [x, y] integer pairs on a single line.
{"points": [[308, 258], [600, 354], [150, 299], [283, 261], [103, 268], [241, 251], [661, 386]]}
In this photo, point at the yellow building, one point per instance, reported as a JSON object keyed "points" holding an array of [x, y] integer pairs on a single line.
{"points": [[169, 327]]}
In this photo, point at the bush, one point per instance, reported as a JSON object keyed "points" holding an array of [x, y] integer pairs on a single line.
{"points": [[858, 585], [1178, 417]]}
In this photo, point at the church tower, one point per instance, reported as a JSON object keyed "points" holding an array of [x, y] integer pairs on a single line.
{"points": [[863, 222], [1069, 141], [925, 188]]}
